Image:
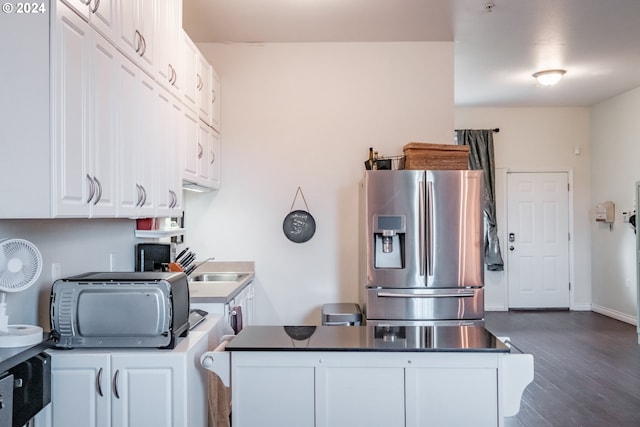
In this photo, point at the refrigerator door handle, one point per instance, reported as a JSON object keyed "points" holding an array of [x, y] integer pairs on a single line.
{"points": [[421, 228], [464, 294], [430, 228]]}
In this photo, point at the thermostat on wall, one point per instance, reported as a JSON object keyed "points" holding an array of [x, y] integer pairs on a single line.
{"points": [[605, 212]]}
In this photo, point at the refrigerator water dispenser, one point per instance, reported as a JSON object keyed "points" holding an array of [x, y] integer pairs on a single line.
{"points": [[388, 235]]}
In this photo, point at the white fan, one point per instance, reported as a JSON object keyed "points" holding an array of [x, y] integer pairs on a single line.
{"points": [[20, 267]]}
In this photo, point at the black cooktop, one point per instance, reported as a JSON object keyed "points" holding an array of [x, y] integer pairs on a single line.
{"points": [[367, 338]]}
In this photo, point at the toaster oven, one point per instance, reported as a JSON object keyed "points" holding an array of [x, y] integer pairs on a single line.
{"points": [[130, 309]]}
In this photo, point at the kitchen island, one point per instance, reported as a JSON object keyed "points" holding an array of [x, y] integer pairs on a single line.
{"points": [[370, 376]]}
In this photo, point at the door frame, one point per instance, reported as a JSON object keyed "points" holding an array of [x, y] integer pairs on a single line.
{"points": [[503, 232]]}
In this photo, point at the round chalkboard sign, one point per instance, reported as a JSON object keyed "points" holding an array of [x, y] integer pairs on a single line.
{"points": [[299, 226]]}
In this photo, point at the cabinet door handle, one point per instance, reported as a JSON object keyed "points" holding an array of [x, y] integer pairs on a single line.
{"points": [[172, 75], [144, 45], [99, 185], [213, 157], [115, 384], [95, 8], [200, 150], [144, 196], [139, 190], [99, 383], [91, 189], [213, 96], [138, 41]]}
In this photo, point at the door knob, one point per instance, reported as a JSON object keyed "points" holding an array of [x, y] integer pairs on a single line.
{"points": [[511, 248]]}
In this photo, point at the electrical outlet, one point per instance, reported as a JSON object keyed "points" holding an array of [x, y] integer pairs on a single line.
{"points": [[112, 261], [55, 271]]}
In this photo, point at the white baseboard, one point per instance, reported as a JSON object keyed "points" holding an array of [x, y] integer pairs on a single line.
{"points": [[581, 307], [623, 317], [495, 308]]}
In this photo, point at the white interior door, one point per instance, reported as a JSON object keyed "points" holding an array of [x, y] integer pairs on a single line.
{"points": [[538, 239]]}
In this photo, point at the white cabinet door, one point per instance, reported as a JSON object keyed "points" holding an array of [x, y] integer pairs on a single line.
{"points": [[135, 150], [168, 183], [204, 152], [376, 392], [215, 100], [103, 17], [190, 65], [191, 147], [168, 41], [146, 26], [144, 390], [203, 159], [273, 396], [100, 13], [85, 66], [129, 193], [452, 396], [136, 31], [81, 390], [71, 63], [203, 86], [214, 159], [146, 148], [103, 104]]}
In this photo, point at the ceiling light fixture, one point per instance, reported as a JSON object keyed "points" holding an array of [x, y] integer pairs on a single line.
{"points": [[549, 77]]}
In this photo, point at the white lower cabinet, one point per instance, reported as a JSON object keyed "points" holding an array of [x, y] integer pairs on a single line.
{"points": [[464, 397], [350, 389], [276, 395], [228, 310], [130, 388], [377, 392]]}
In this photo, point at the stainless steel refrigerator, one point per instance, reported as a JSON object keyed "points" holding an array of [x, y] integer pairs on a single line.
{"points": [[422, 240]]}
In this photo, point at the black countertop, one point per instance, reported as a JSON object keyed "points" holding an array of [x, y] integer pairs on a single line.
{"points": [[367, 338], [10, 357]]}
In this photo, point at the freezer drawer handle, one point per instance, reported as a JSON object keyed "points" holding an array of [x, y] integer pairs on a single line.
{"points": [[409, 295]]}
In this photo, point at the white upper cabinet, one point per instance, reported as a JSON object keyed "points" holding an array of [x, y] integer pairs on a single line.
{"points": [[169, 69], [201, 149], [203, 88], [101, 14], [83, 111], [72, 184], [215, 100], [135, 148], [190, 64], [84, 129], [168, 184], [103, 108], [136, 31]]}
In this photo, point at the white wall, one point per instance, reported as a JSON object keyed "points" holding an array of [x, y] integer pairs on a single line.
{"points": [[78, 246], [304, 115], [615, 169], [540, 139]]}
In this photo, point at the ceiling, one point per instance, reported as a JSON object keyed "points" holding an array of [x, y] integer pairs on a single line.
{"points": [[499, 44]]}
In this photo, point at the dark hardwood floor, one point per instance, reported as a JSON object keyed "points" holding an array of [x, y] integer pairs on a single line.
{"points": [[587, 368]]}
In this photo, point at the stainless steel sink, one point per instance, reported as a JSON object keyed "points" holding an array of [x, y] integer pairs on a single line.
{"points": [[219, 277]]}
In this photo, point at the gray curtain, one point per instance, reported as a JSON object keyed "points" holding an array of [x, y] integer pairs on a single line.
{"points": [[481, 157]]}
